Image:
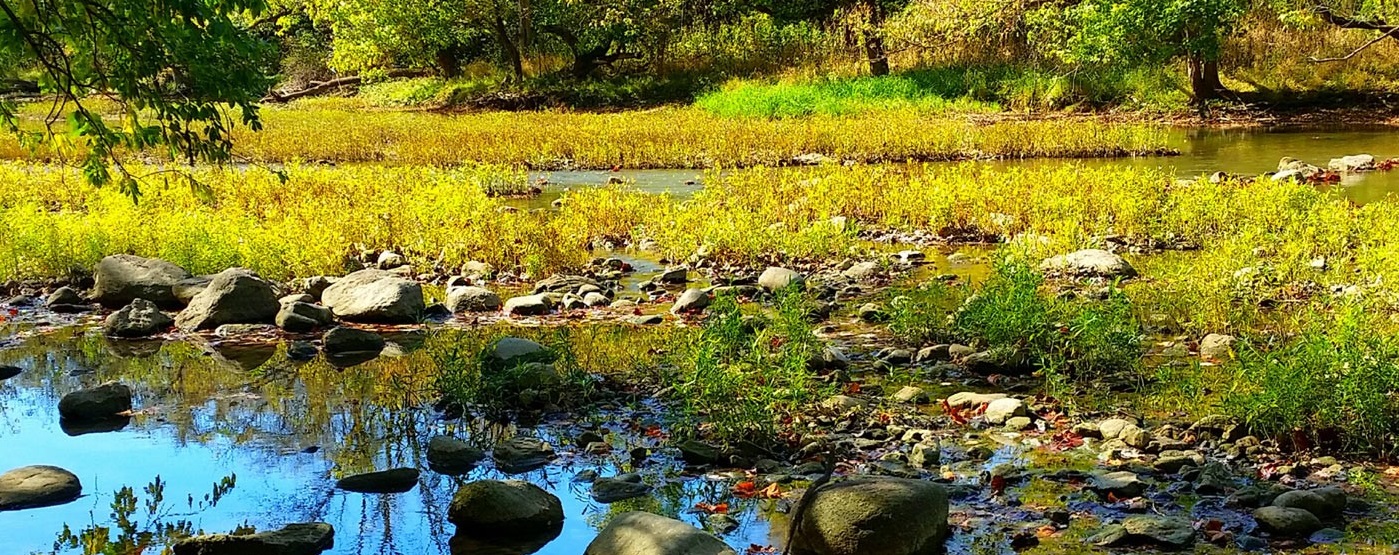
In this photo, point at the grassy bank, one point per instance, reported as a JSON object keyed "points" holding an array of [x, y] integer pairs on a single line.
{"points": [[341, 130]]}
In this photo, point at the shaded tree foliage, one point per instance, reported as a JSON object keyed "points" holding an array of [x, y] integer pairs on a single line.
{"points": [[183, 72]]}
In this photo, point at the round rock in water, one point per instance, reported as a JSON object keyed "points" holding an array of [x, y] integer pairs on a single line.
{"points": [[874, 516], [494, 508], [639, 533], [103, 402], [32, 487], [452, 456]]}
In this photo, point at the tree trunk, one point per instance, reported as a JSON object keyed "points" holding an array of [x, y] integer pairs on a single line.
{"points": [[447, 63], [874, 40], [1204, 79], [511, 50]]}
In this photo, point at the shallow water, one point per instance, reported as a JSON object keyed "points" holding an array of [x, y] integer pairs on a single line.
{"points": [[286, 432], [1203, 152]]}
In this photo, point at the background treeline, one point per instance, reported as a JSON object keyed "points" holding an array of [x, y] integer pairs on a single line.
{"points": [[829, 55]]}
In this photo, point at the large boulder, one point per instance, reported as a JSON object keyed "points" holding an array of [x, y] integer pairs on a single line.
{"points": [[494, 508], [638, 533], [1217, 347], [472, 299], [375, 296], [874, 516], [774, 278], [1089, 263], [103, 402], [122, 278], [295, 539], [32, 487], [235, 296], [141, 318]]}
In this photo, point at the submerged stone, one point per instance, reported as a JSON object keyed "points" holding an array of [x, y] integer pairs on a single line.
{"points": [[294, 539], [452, 456], [640, 533], [612, 490], [522, 454]]}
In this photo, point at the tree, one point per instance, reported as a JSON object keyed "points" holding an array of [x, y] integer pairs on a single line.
{"points": [[871, 29], [183, 73], [1104, 32]]}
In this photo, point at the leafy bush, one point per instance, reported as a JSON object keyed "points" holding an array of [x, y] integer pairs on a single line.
{"points": [[1009, 316], [1339, 377], [740, 376]]}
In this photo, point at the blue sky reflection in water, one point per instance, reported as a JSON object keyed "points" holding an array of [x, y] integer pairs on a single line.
{"points": [[284, 473]]}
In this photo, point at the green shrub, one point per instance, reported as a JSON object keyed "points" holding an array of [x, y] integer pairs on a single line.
{"points": [[740, 375], [1339, 376]]}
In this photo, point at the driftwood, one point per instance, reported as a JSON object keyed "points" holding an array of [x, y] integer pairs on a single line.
{"points": [[323, 87]]}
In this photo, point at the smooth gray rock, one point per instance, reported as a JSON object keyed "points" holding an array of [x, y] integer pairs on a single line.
{"points": [[1121, 485], [452, 456], [64, 297], [302, 317], [294, 539], [375, 296], [235, 296], [1090, 263], [1326, 503], [472, 299], [508, 351], [529, 305], [691, 301], [1166, 531], [1001, 410], [522, 454], [1287, 521], [186, 289], [774, 278], [122, 278], [967, 399], [342, 340], [493, 508], [1217, 347], [874, 516], [141, 318], [32, 487], [612, 490], [640, 533], [103, 402]]}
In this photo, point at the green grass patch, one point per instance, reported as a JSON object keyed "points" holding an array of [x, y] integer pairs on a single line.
{"points": [[950, 89]]}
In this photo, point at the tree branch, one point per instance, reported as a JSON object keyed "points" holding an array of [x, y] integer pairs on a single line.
{"points": [[1345, 22]]}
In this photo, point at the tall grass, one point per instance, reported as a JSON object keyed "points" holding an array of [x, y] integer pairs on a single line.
{"points": [[342, 130], [314, 223]]}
